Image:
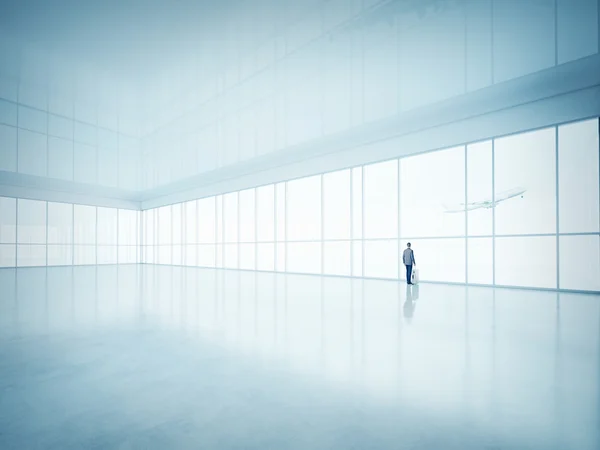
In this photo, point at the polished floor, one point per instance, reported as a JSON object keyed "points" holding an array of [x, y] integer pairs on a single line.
{"points": [[155, 357]]}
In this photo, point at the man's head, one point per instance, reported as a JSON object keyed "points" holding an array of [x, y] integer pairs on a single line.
{"points": [[408, 245]]}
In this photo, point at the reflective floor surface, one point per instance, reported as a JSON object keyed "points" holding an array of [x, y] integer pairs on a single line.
{"points": [[156, 357]]}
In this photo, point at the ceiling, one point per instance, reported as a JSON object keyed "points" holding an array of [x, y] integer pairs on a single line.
{"points": [[127, 38], [143, 52], [136, 48]]}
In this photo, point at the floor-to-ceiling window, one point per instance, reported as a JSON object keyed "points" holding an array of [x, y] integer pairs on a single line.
{"points": [[36, 233], [520, 210]]}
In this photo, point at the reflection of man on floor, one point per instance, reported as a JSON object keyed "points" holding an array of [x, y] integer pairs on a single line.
{"points": [[412, 294]]}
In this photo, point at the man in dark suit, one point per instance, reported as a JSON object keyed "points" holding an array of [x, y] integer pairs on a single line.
{"points": [[408, 258]]}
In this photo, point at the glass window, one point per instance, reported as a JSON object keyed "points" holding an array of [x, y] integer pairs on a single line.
{"points": [[108, 160], [86, 134], [190, 225], [432, 189], [280, 257], [230, 217], [337, 83], [8, 255], [247, 217], [190, 257], [525, 179], [84, 163], [580, 262], [336, 205], [524, 38], [85, 225], [107, 227], [381, 200], [357, 202], [149, 233], [219, 255], [230, 139], [280, 191], [479, 189], [60, 255], [165, 254], [206, 255], [60, 158], [481, 261], [108, 139], [176, 223], [247, 256], [148, 255], [127, 254], [578, 177], [31, 255], [33, 119], [87, 112], [8, 143], [8, 113], [219, 219], [230, 256], [164, 226], [265, 142], [60, 224], [176, 255], [381, 59], [265, 213], [129, 160], [381, 259], [247, 140], [31, 221], [478, 36], [33, 153], [304, 257], [128, 227], [304, 209], [107, 254], [265, 257], [438, 259], [336, 258], [206, 221], [84, 254], [526, 261], [357, 259], [8, 220], [577, 29], [60, 127]]}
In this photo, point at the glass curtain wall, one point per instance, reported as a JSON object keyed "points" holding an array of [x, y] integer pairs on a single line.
{"points": [[65, 140], [37, 233], [520, 210]]}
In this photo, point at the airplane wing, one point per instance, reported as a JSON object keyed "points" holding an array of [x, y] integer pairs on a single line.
{"points": [[508, 197], [500, 197], [475, 203], [505, 195]]}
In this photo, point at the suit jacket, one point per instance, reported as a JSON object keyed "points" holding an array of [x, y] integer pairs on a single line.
{"points": [[408, 257]]}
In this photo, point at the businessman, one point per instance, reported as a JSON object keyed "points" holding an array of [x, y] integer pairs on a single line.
{"points": [[408, 258]]}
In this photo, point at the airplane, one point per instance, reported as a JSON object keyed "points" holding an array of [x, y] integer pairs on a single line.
{"points": [[487, 204]]}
